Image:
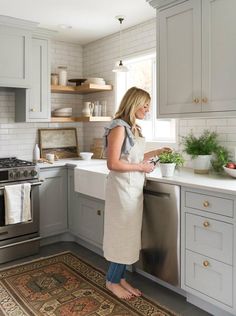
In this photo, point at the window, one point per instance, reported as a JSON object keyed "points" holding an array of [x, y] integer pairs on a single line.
{"points": [[142, 74]]}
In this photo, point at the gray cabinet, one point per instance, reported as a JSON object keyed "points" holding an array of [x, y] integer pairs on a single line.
{"points": [[53, 201], [33, 105], [86, 215], [207, 246], [196, 59], [15, 52]]}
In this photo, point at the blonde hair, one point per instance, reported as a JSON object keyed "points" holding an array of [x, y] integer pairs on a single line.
{"points": [[133, 99]]}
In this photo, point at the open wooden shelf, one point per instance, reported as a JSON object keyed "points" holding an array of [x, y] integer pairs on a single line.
{"points": [[83, 89], [81, 119]]}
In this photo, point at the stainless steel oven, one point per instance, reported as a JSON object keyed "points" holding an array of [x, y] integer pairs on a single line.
{"points": [[20, 239]]}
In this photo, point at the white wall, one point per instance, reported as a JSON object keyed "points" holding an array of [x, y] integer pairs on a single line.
{"points": [[99, 59]]}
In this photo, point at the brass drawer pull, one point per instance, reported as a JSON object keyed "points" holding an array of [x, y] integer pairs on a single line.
{"points": [[206, 203], [99, 212], [196, 100], [206, 263], [206, 224], [204, 100]]}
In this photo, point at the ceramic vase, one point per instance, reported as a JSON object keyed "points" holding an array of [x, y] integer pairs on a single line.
{"points": [[167, 169], [201, 164]]}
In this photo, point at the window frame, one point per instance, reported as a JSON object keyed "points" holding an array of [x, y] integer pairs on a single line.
{"points": [[144, 55]]}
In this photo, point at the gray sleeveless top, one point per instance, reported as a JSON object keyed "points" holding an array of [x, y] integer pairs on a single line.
{"points": [[129, 136]]}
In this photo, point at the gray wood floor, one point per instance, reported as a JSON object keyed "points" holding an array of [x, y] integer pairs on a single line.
{"points": [[151, 289]]}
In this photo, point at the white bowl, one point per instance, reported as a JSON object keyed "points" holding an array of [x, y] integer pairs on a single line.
{"points": [[231, 172], [95, 81], [86, 155], [64, 110]]}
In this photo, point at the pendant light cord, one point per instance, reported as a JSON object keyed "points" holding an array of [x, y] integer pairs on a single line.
{"points": [[120, 20]]}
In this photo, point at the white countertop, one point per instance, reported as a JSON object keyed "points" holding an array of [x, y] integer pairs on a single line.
{"points": [[184, 177], [72, 162]]}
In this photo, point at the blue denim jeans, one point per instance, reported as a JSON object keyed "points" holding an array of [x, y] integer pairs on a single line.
{"points": [[116, 272]]}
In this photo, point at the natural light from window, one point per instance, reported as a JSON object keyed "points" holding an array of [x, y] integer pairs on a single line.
{"points": [[142, 74]]}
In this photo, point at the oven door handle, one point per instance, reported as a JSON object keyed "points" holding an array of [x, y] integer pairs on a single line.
{"points": [[32, 184]]}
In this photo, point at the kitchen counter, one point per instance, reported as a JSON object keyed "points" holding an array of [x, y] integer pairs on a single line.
{"points": [[72, 162], [184, 177]]}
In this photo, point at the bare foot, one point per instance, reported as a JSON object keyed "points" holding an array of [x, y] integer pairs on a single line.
{"points": [[131, 289], [118, 290]]}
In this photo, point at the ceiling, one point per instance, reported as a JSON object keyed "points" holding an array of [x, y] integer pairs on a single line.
{"points": [[89, 19]]}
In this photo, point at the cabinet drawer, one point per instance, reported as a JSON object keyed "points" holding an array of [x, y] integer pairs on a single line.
{"points": [[209, 237], [209, 277], [209, 203]]}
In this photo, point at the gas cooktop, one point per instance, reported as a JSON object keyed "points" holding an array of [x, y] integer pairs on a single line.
{"points": [[13, 162], [13, 169]]}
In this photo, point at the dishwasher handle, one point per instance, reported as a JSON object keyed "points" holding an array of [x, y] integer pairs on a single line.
{"points": [[163, 195]]}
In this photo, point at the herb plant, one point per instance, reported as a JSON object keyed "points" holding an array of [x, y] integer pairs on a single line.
{"points": [[171, 157], [221, 157], [206, 144]]}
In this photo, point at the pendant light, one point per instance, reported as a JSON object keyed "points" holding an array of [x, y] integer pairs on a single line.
{"points": [[120, 67]]}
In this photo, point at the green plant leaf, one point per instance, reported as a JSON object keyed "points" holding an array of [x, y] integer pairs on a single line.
{"points": [[171, 157]]}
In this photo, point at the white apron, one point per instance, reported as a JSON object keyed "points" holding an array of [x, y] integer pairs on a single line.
{"points": [[124, 210]]}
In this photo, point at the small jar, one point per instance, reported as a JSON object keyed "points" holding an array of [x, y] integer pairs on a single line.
{"points": [[54, 79], [62, 75]]}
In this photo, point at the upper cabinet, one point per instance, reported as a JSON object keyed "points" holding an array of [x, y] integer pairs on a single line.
{"points": [[33, 105], [15, 52], [39, 95], [196, 59]]}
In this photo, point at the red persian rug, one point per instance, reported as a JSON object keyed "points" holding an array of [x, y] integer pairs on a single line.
{"points": [[64, 285]]}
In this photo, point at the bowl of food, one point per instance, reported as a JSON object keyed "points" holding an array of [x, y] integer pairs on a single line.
{"points": [[230, 169], [86, 155]]}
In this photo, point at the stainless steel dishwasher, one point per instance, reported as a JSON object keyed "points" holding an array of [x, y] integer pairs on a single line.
{"points": [[160, 251]]}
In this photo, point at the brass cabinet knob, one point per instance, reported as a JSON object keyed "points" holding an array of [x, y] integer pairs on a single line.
{"points": [[196, 100], [204, 100], [206, 203], [206, 263], [99, 212], [206, 224], [32, 110]]}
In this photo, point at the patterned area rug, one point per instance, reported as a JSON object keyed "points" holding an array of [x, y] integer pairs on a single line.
{"points": [[64, 285]]}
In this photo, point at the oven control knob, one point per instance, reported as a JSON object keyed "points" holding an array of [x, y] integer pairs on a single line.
{"points": [[18, 174], [11, 175], [33, 173], [26, 173]]}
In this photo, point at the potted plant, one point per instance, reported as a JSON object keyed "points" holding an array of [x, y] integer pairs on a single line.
{"points": [[168, 161], [201, 149]]}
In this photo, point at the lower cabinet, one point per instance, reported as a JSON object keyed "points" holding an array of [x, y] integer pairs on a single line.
{"points": [[86, 215], [53, 201], [207, 245]]}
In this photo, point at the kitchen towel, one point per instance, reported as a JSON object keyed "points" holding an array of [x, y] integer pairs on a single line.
{"points": [[17, 203]]}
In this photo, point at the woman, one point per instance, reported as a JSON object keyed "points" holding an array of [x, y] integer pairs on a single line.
{"points": [[124, 189]]}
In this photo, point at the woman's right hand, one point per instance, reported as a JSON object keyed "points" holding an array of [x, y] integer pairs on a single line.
{"points": [[146, 166]]}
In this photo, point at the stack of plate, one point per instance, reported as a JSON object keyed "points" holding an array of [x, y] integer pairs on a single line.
{"points": [[100, 81], [64, 112]]}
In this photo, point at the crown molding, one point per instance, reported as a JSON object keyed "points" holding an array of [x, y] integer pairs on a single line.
{"points": [[158, 4], [19, 23], [41, 32]]}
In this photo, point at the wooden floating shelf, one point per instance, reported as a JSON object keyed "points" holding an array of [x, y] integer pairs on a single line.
{"points": [[81, 119], [83, 89]]}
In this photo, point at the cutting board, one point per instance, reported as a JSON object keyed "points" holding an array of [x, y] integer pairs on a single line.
{"points": [[62, 142]]}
